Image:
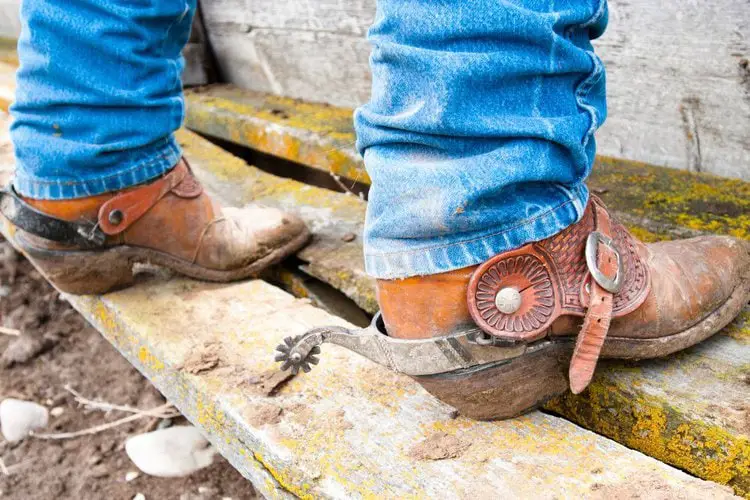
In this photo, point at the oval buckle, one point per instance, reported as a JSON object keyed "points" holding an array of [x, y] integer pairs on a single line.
{"points": [[612, 285]]}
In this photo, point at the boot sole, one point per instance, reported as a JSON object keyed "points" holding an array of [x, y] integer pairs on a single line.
{"points": [[84, 272], [507, 389]]}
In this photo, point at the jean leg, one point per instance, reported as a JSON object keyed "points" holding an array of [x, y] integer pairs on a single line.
{"points": [[478, 136], [98, 94]]}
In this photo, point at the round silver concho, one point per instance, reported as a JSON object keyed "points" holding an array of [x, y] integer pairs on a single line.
{"points": [[508, 300]]}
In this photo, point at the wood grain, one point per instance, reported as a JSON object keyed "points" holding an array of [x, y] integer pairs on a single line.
{"points": [[679, 84]]}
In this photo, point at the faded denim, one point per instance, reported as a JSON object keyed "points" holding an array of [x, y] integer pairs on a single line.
{"points": [[479, 134], [98, 94]]}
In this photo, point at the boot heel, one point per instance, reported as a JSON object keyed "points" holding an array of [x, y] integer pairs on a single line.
{"points": [[83, 272], [502, 391]]}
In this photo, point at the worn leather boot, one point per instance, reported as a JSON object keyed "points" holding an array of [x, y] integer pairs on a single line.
{"points": [[90, 245], [590, 291]]}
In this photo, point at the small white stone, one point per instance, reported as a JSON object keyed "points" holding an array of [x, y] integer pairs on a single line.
{"points": [[131, 475], [174, 452], [139, 496], [57, 411], [19, 418], [508, 300]]}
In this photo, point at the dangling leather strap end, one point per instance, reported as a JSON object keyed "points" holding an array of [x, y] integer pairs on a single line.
{"points": [[589, 346], [605, 266]]}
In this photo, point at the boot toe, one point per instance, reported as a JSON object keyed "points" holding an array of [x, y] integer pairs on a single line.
{"points": [[690, 279], [244, 236]]}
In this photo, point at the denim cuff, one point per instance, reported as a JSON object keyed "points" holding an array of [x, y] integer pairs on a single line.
{"points": [[479, 248], [135, 168]]}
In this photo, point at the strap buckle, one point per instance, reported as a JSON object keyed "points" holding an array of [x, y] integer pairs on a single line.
{"points": [[612, 285]]}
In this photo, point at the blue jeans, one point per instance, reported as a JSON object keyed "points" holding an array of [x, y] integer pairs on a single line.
{"points": [[478, 136], [98, 94]]}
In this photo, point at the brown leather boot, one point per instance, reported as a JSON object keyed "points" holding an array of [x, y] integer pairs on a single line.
{"points": [[90, 245], [592, 290]]}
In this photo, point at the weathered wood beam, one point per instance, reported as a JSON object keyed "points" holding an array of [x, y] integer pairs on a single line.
{"points": [[316, 135], [349, 429], [677, 74]]}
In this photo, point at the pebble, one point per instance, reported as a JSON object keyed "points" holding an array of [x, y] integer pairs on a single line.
{"points": [[204, 493], [19, 418], [57, 411], [173, 452], [131, 476], [139, 496], [99, 471]]}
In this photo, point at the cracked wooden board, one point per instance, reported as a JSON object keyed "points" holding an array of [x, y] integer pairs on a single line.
{"points": [[349, 428], [331, 257]]}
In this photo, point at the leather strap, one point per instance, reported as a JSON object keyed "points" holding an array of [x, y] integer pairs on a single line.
{"points": [[82, 233], [592, 269], [599, 315], [119, 213]]}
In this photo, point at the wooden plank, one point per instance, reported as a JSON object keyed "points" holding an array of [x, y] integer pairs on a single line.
{"points": [[347, 430], [691, 409], [678, 75], [10, 24], [678, 96], [652, 410], [660, 202], [316, 135]]}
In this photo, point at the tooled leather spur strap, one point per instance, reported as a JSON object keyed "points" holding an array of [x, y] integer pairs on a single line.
{"points": [[119, 213], [599, 315]]}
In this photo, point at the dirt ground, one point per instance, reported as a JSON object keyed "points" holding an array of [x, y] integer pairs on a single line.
{"points": [[58, 348]]}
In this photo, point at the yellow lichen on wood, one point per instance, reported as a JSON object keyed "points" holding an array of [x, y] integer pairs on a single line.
{"points": [[697, 202], [316, 135], [285, 480], [650, 425], [8, 53], [149, 361], [645, 235], [322, 136], [739, 330]]}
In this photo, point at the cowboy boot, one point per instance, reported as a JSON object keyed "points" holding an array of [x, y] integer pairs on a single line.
{"points": [[590, 291], [91, 245]]}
